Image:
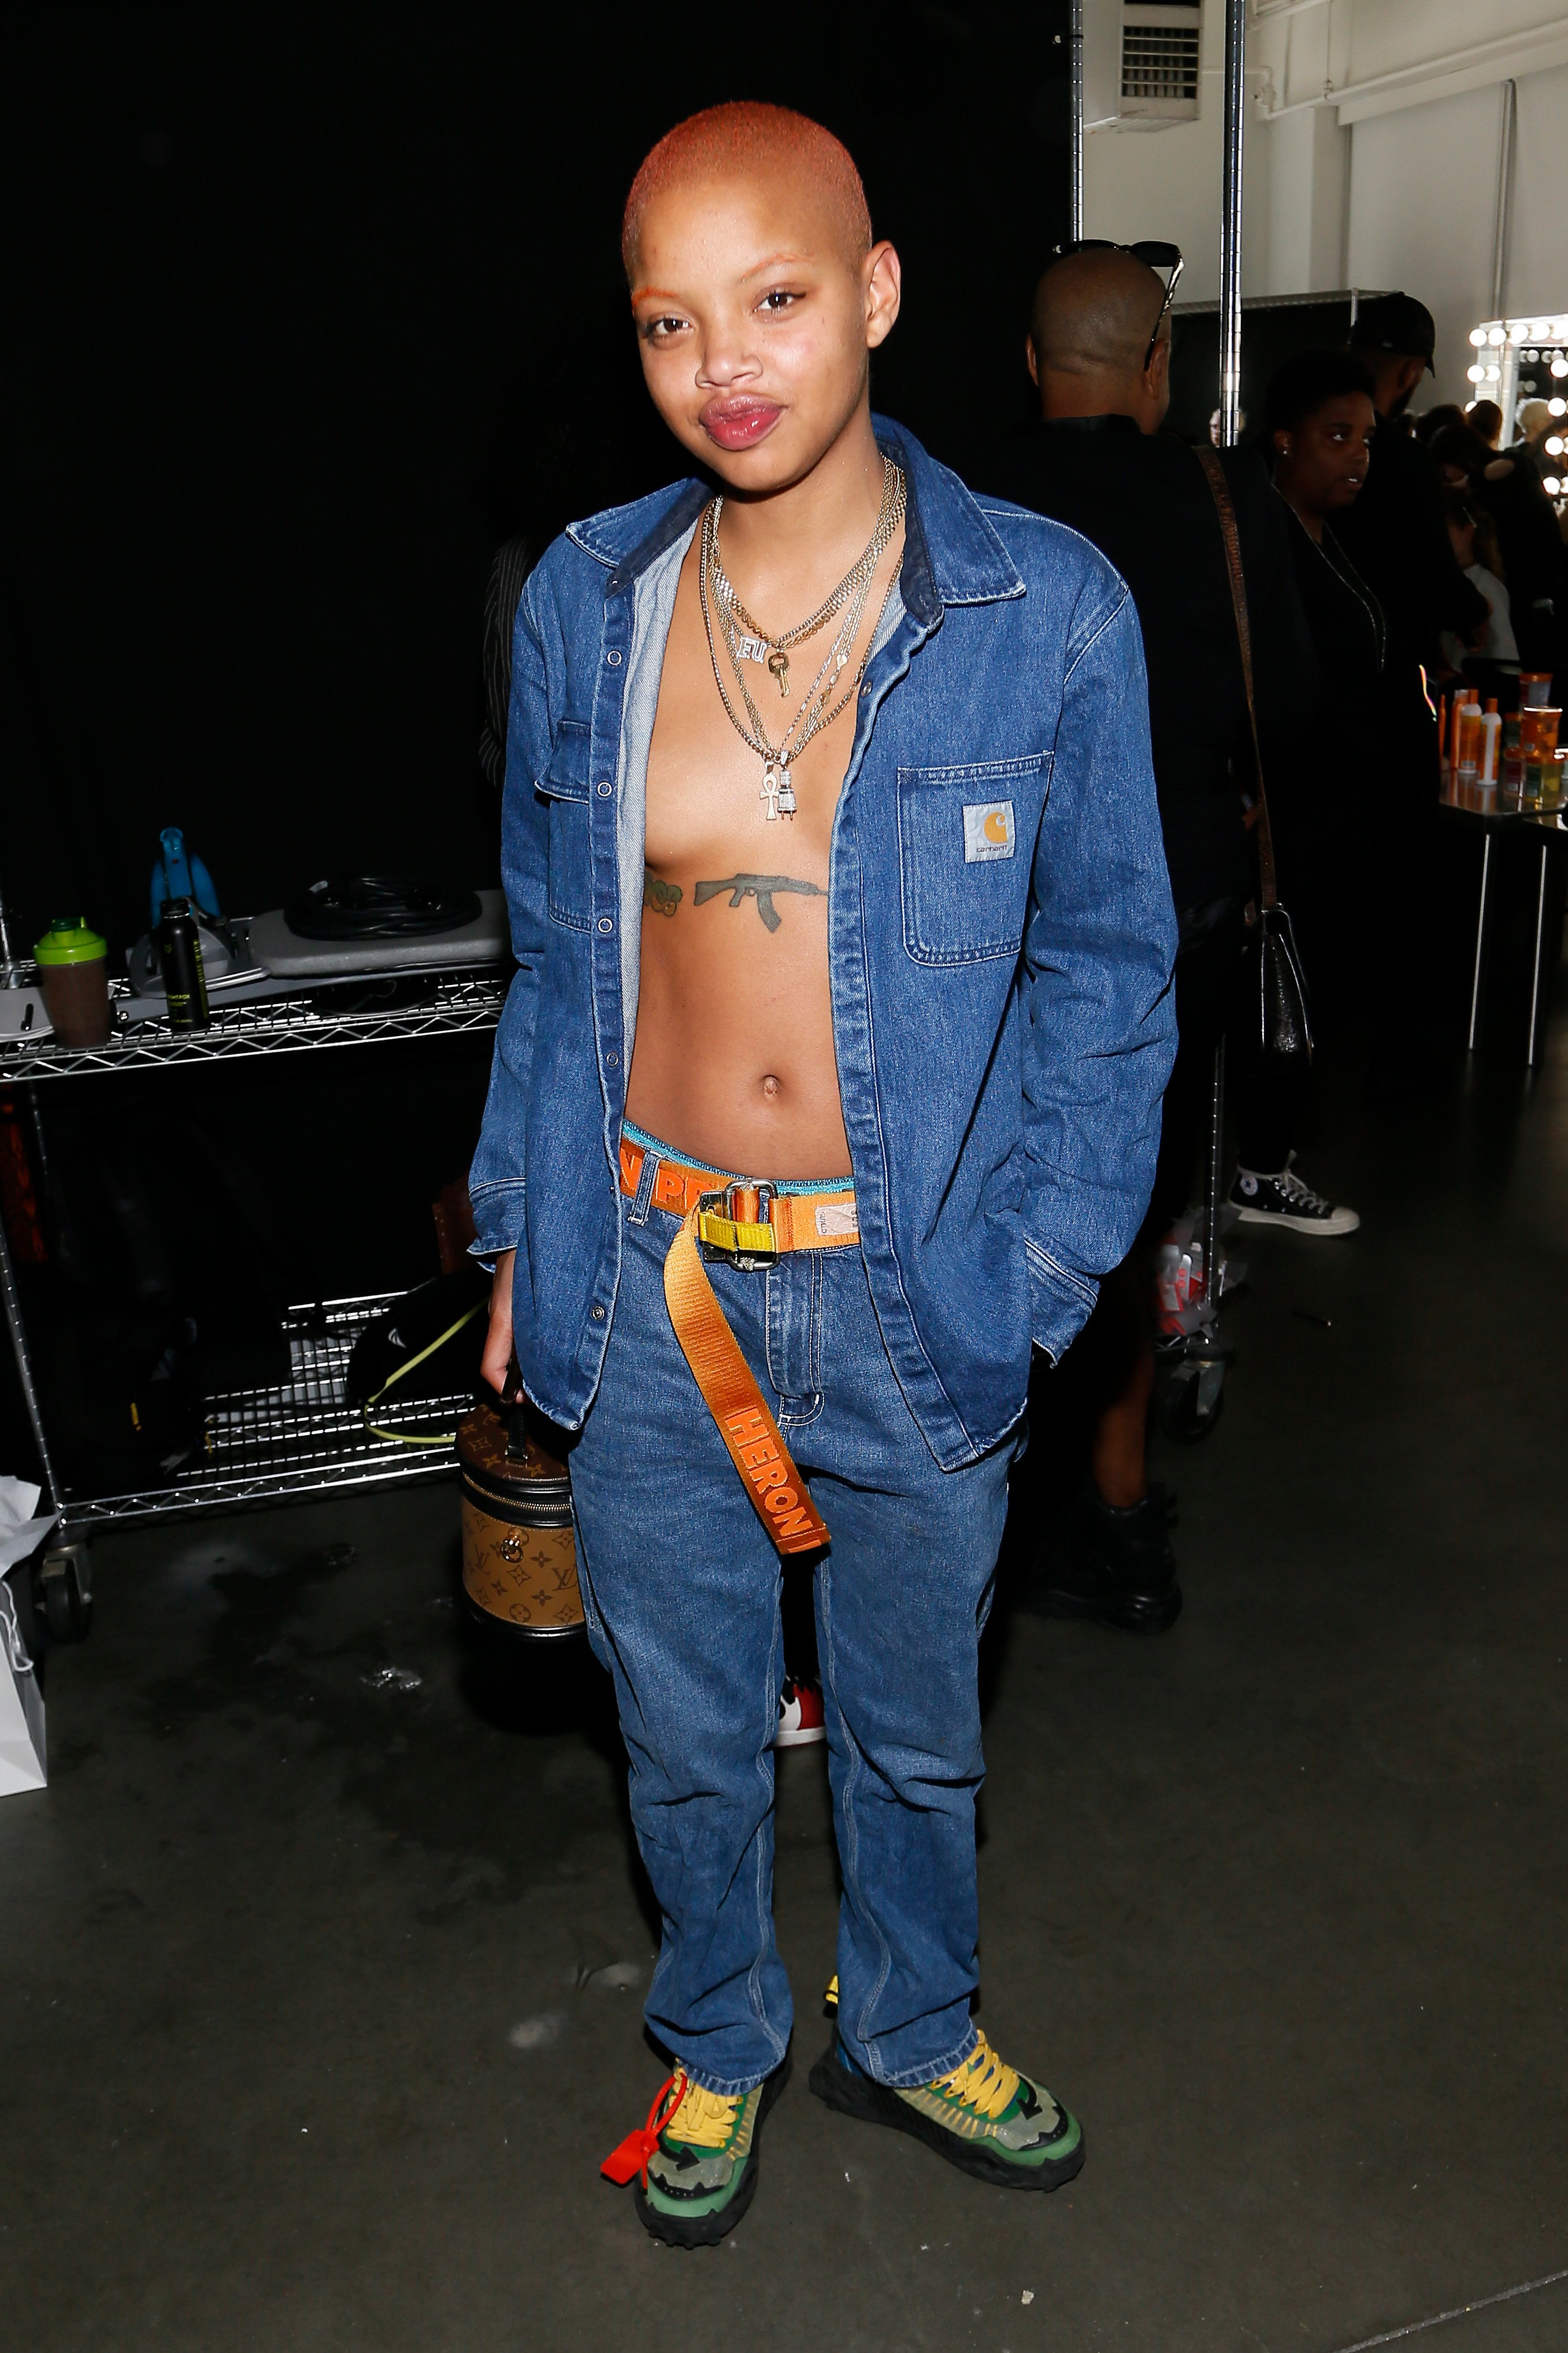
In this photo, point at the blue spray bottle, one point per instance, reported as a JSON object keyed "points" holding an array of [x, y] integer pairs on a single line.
{"points": [[179, 873]]}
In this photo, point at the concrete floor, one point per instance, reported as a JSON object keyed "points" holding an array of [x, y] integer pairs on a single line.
{"points": [[320, 1999]]}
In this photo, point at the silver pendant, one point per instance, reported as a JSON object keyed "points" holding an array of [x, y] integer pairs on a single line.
{"points": [[752, 648], [774, 784], [786, 794]]}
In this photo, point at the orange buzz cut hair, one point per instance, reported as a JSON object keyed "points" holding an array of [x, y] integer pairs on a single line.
{"points": [[747, 136]]}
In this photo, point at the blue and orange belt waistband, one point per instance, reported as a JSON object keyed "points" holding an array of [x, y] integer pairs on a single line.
{"points": [[747, 1221], [774, 1216]]}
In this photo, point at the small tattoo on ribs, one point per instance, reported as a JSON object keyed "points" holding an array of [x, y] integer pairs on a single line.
{"points": [[662, 897]]}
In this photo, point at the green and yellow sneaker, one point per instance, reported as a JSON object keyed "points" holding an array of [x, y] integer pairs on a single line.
{"points": [[695, 2160], [984, 2117]]}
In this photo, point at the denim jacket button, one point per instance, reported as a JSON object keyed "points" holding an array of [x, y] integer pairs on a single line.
{"points": [[611, 1058], [605, 925], [614, 660], [598, 1315], [604, 788]]}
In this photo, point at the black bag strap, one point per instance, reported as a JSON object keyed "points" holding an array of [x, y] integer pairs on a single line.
{"points": [[1209, 461]]}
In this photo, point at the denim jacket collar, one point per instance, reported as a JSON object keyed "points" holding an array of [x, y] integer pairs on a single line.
{"points": [[952, 555]]}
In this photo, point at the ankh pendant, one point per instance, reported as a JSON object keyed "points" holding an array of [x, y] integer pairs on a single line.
{"points": [[778, 664], [773, 786]]}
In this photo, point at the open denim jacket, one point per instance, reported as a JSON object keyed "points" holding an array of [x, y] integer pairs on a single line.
{"points": [[999, 936]]}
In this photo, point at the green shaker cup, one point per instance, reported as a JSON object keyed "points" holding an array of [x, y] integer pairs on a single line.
{"points": [[73, 970]]}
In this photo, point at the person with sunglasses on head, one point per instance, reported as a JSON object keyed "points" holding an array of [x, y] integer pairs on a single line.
{"points": [[1100, 353]]}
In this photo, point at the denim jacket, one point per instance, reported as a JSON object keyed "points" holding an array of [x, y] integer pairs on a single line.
{"points": [[999, 940]]}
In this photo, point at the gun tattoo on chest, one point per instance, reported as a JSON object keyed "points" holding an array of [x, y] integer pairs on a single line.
{"points": [[760, 887]]}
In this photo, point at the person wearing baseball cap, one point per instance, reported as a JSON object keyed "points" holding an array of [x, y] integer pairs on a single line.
{"points": [[1402, 328]]}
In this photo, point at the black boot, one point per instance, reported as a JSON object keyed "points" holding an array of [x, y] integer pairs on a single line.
{"points": [[1115, 1567]]}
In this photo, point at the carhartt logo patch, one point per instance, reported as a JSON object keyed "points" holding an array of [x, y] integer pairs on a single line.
{"points": [[987, 832]]}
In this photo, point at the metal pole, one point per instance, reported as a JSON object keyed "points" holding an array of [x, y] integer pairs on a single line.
{"points": [[24, 1374], [9, 964], [1480, 940], [1230, 225], [1075, 130], [1214, 1178], [1504, 196], [1533, 1054]]}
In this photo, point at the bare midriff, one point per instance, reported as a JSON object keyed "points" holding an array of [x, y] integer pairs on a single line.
{"points": [[734, 1062]]}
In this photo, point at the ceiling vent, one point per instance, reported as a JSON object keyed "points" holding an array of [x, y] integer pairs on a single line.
{"points": [[1142, 63]]}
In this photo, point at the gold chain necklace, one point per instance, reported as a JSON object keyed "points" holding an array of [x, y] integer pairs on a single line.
{"points": [[817, 712], [751, 642]]}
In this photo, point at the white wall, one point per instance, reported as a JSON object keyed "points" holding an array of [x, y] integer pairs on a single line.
{"points": [[1538, 243], [1421, 206], [1356, 179]]}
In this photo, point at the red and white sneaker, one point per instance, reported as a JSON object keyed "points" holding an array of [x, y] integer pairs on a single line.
{"points": [[800, 1715]]}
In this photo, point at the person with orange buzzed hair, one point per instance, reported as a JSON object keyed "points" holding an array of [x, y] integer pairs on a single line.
{"points": [[827, 1088]]}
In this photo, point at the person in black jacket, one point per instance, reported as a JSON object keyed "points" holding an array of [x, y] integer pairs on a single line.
{"points": [[1320, 428], [1100, 353], [1397, 537], [512, 563]]}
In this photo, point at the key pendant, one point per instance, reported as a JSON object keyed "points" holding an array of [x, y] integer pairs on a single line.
{"points": [[772, 787], [779, 665]]}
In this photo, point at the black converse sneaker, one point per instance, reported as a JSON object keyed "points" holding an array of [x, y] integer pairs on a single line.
{"points": [[1283, 1199]]}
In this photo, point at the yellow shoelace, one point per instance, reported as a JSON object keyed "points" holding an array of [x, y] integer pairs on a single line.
{"points": [[982, 2081], [704, 2119]]}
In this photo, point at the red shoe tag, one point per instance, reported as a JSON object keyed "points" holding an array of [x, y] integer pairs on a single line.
{"points": [[629, 2158]]}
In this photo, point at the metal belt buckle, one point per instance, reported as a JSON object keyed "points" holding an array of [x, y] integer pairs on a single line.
{"points": [[755, 1252]]}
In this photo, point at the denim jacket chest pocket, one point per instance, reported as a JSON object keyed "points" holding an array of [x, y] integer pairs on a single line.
{"points": [[966, 838], [566, 789]]}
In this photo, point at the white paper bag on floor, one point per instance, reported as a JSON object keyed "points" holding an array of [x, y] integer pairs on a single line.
{"points": [[21, 1702], [21, 1709]]}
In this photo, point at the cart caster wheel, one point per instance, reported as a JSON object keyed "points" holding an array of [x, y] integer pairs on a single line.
{"points": [[1192, 1401], [62, 1591]]}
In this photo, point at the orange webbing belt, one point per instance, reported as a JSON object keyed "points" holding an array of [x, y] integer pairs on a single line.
{"points": [[735, 1402]]}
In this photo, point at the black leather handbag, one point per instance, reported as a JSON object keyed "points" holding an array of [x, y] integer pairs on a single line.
{"points": [[1279, 989]]}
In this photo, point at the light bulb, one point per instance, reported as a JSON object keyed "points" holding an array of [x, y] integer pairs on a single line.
{"points": [[1475, 372], [1551, 486], [1557, 408], [1559, 365], [1498, 335], [1477, 336], [1492, 374], [1553, 445]]}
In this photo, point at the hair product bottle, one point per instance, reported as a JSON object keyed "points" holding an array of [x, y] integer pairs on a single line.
{"points": [[1468, 739], [1491, 743]]}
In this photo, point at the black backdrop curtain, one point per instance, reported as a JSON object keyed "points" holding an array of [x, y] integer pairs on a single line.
{"points": [[307, 309]]}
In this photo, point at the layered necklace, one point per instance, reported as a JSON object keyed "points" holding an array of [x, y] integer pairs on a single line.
{"points": [[744, 641]]}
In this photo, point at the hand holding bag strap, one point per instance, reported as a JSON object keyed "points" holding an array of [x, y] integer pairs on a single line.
{"points": [[1209, 461]]}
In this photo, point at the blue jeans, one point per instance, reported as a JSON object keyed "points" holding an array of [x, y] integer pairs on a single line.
{"points": [[682, 1587]]}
